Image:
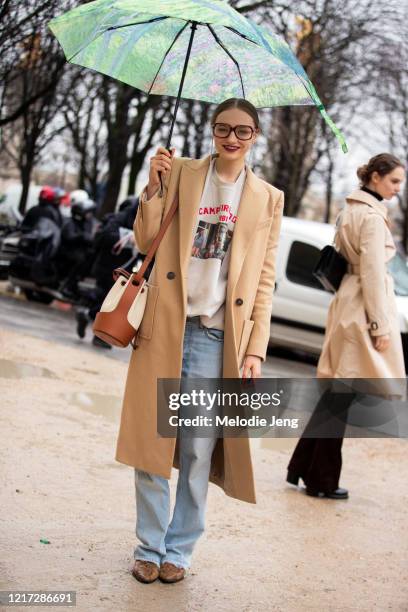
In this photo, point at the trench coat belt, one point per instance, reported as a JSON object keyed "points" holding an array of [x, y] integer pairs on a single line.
{"points": [[353, 268]]}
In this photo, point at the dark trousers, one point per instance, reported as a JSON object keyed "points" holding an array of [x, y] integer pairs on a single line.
{"points": [[318, 460]]}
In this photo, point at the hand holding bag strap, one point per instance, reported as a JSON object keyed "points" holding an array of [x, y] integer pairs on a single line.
{"points": [[150, 253]]}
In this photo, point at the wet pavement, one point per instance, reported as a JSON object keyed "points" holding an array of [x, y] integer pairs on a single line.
{"points": [[59, 416], [11, 369], [107, 406], [56, 323]]}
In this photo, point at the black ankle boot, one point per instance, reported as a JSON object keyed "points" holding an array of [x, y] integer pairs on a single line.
{"points": [[336, 494], [292, 478]]}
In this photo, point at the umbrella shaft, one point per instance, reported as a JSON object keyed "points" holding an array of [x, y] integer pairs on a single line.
{"points": [[190, 44]]}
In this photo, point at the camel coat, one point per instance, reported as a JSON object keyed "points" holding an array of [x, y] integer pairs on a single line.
{"points": [[159, 341], [364, 305]]}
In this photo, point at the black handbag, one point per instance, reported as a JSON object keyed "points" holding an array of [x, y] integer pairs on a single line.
{"points": [[330, 268]]}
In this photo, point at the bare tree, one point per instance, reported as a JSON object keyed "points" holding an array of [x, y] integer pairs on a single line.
{"points": [[148, 123], [23, 32], [334, 38], [392, 91], [340, 44], [191, 127], [128, 113], [39, 121], [83, 112]]}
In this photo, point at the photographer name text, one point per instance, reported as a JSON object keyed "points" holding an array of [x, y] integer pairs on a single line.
{"points": [[235, 421]]}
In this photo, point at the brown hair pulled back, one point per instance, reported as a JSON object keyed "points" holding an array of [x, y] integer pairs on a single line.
{"points": [[240, 103], [384, 163]]}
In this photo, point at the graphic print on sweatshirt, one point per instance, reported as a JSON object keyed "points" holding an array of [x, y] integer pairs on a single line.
{"points": [[211, 240]]}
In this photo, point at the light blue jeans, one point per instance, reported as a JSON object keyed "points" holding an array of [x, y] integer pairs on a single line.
{"points": [[174, 542]]}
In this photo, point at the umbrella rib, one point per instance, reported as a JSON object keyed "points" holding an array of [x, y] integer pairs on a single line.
{"points": [[127, 25], [229, 54], [110, 29], [241, 35], [165, 55]]}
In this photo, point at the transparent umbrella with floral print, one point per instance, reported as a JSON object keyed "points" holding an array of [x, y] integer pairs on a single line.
{"points": [[194, 49]]}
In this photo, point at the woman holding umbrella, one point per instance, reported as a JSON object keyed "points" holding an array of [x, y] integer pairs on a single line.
{"points": [[209, 305], [206, 317]]}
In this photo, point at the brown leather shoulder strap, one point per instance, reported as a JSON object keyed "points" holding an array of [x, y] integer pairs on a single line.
{"points": [[158, 239]]}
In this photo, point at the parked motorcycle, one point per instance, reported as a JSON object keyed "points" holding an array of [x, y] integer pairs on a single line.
{"points": [[9, 239], [10, 234], [40, 268]]}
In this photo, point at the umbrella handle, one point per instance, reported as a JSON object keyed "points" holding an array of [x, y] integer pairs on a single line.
{"points": [[161, 173], [161, 185]]}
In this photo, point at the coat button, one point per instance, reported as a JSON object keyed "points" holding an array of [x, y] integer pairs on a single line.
{"points": [[171, 275], [239, 302]]}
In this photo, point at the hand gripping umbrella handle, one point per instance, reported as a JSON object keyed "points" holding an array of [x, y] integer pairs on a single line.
{"points": [[161, 173]]}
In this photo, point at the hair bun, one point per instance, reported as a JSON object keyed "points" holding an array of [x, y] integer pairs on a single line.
{"points": [[383, 164], [362, 173]]}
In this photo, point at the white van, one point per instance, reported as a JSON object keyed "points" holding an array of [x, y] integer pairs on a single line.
{"points": [[300, 303]]}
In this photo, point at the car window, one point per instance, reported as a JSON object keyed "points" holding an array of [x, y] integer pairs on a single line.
{"points": [[399, 270], [301, 262]]}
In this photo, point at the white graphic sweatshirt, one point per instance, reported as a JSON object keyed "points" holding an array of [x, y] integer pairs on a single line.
{"points": [[208, 268]]}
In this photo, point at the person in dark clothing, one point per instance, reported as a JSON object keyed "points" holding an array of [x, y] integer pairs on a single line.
{"points": [[77, 244], [48, 206], [317, 460], [114, 245]]}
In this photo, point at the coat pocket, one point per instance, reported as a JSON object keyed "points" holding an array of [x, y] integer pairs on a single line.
{"points": [[146, 326], [243, 343]]}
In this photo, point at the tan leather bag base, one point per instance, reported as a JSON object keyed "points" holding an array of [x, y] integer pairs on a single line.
{"points": [[113, 326]]}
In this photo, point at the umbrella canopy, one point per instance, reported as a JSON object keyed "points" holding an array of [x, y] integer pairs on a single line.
{"points": [[196, 49]]}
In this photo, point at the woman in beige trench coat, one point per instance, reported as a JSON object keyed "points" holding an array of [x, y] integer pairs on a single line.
{"points": [[362, 337], [160, 353]]}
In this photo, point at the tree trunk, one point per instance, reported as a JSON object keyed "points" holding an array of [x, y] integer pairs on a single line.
{"points": [[25, 175], [25, 181], [329, 189], [113, 185], [118, 140], [292, 139], [139, 155], [136, 166], [82, 172]]}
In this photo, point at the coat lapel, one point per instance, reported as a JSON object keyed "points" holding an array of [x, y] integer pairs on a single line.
{"points": [[253, 201], [191, 186]]}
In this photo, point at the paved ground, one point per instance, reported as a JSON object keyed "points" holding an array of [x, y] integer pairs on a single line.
{"points": [[289, 552], [57, 324]]}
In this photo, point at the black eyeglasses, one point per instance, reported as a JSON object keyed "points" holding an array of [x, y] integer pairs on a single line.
{"points": [[242, 132]]}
